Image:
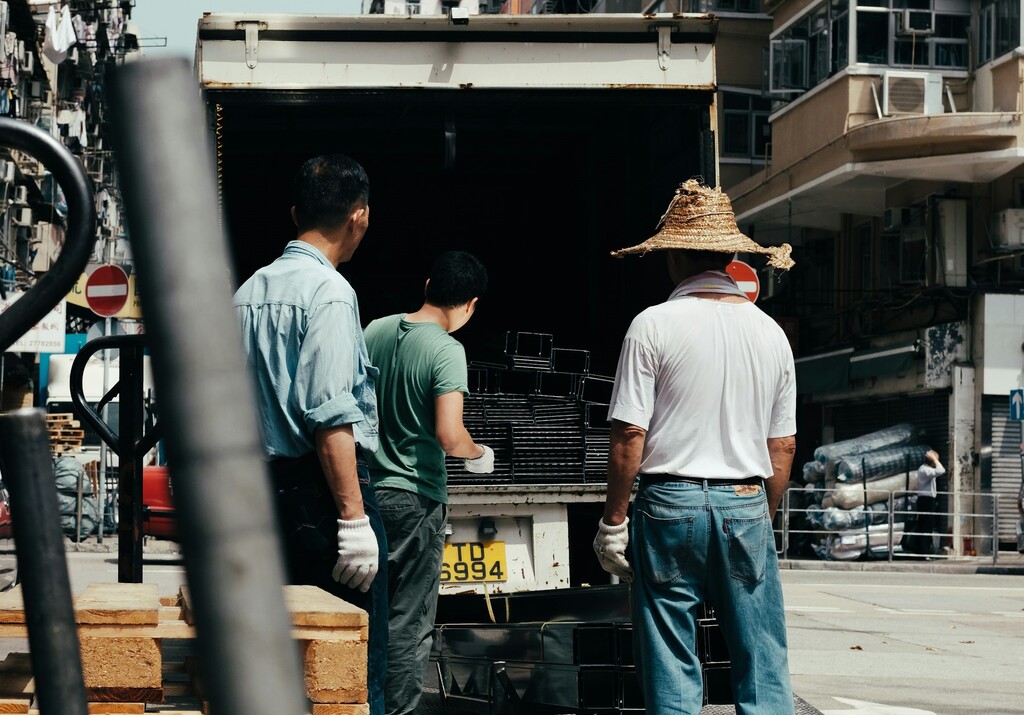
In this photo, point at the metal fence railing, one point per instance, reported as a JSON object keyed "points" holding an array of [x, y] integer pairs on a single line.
{"points": [[887, 525]]}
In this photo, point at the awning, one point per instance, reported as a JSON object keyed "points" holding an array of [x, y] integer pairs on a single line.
{"points": [[892, 360], [827, 372]]}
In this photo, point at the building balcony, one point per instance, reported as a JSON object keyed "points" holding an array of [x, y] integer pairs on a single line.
{"points": [[834, 155]]}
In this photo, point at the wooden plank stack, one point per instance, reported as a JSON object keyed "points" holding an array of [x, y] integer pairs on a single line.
{"points": [[137, 650], [65, 432]]}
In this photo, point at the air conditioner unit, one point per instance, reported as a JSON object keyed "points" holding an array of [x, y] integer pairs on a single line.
{"points": [[7, 175], [22, 217], [915, 22], [1006, 229], [28, 62], [911, 93], [21, 195], [894, 217]]}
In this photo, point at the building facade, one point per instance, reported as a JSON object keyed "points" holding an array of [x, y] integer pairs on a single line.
{"points": [[895, 167], [54, 61]]}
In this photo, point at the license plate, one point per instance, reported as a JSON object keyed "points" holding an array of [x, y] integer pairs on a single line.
{"points": [[472, 562]]}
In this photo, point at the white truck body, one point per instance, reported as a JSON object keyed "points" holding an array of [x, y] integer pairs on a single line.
{"points": [[400, 93]]}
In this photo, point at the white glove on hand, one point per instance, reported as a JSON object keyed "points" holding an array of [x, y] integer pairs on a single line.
{"points": [[610, 546], [357, 554], [484, 464]]}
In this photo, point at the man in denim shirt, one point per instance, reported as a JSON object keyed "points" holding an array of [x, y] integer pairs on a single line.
{"points": [[704, 410], [318, 407]]}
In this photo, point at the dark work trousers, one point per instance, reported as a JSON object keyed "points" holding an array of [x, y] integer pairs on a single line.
{"points": [[307, 516], [923, 526], [415, 530]]}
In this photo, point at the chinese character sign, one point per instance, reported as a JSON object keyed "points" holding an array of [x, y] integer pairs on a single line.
{"points": [[48, 334]]}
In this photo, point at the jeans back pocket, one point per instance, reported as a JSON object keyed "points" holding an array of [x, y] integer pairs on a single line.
{"points": [[748, 554], [664, 545]]}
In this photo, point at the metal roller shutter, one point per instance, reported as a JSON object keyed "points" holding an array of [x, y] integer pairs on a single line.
{"points": [[1002, 471], [930, 413]]}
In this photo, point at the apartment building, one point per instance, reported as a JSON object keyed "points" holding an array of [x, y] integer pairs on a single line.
{"points": [[895, 167]]}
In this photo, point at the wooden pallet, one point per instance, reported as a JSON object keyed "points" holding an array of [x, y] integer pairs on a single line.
{"points": [[136, 650], [65, 432]]}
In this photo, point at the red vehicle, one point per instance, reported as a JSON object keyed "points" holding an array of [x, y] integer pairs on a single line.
{"points": [[157, 504], [8, 561]]}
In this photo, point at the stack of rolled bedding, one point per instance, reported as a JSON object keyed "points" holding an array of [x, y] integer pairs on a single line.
{"points": [[853, 481]]}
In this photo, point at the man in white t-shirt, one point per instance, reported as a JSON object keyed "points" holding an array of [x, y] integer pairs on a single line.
{"points": [[704, 411], [920, 538]]}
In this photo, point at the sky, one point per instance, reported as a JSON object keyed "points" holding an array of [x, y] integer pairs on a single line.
{"points": [[176, 19]]}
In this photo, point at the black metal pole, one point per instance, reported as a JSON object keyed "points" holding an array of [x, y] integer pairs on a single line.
{"points": [[222, 493], [129, 465], [49, 614]]}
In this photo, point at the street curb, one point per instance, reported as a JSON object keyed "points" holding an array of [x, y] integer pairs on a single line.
{"points": [[1016, 568]]}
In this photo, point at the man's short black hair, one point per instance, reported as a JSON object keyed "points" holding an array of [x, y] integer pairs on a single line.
{"points": [[327, 189], [456, 278]]}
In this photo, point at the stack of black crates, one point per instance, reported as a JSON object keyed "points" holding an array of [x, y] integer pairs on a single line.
{"points": [[560, 651], [542, 412]]}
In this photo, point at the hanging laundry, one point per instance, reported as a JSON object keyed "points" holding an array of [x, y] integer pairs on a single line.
{"points": [[76, 127], [60, 35], [5, 16]]}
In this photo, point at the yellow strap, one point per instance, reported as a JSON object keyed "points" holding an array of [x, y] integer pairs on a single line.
{"points": [[490, 610]]}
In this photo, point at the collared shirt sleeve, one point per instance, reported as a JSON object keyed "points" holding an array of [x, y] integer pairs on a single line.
{"points": [[327, 368], [633, 394]]}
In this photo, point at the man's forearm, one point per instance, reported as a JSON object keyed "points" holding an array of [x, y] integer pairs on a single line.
{"points": [[336, 449], [781, 450], [462, 447], [624, 457]]}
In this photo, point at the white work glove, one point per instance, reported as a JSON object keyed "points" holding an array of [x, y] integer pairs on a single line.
{"points": [[610, 546], [357, 554], [484, 464]]}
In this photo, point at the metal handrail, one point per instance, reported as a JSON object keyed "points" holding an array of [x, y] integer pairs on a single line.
{"points": [[78, 239], [788, 513]]}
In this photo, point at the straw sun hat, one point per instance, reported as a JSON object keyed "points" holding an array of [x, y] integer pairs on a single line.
{"points": [[701, 219]]}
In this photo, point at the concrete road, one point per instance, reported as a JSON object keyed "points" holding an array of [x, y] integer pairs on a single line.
{"points": [[934, 643], [862, 643], [163, 569]]}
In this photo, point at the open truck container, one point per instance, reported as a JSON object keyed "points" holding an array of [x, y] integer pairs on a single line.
{"points": [[540, 143]]}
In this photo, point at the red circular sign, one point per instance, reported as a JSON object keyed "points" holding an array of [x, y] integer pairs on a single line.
{"points": [[106, 290], [746, 278]]}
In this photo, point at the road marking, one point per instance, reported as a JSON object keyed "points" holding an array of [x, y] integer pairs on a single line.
{"points": [[972, 589], [818, 609], [862, 707], [928, 612]]}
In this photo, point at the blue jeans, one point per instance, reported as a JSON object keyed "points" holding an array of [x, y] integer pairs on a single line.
{"points": [[695, 542], [308, 520]]}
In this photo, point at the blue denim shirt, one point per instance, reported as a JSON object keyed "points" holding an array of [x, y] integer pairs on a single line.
{"points": [[305, 350]]}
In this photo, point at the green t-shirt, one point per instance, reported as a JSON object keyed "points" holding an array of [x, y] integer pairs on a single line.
{"points": [[418, 362]]}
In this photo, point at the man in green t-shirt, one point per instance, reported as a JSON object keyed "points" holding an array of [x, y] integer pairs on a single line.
{"points": [[423, 381]]}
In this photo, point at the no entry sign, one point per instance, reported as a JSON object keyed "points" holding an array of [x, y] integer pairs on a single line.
{"points": [[746, 278], [106, 291]]}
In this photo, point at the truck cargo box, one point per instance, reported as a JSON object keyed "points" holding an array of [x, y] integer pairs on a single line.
{"points": [[538, 143]]}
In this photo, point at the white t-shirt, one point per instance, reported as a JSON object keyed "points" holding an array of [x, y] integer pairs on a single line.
{"points": [[926, 476], [710, 381]]}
